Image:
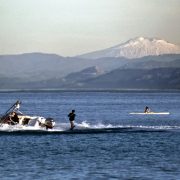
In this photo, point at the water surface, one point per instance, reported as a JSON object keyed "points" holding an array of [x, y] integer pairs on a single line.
{"points": [[148, 149]]}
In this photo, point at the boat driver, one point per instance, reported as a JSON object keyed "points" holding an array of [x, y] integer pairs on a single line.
{"points": [[14, 118]]}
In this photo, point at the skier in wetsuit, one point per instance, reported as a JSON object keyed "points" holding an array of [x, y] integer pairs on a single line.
{"points": [[71, 116]]}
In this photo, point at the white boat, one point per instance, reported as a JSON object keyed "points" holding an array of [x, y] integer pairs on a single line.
{"points": [[151, 113], [13, 117]]}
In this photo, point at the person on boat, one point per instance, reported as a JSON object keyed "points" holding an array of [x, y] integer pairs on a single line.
{"points": [[147, 109], [71, 116], [14, 118]]}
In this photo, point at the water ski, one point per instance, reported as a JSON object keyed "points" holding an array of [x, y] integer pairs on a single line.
{"points": [[72, 128]]}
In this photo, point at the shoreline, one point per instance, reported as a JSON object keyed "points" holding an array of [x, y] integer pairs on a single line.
{"points": [[89, 90]]}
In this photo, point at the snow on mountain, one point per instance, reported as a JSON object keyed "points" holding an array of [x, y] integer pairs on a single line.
{"points": [[136, 48]]}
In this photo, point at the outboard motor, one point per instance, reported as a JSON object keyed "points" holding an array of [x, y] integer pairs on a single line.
{"points": [[49, 123]]}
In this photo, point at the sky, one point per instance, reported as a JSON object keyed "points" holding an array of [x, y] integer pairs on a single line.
{"points": [[73, 27]]}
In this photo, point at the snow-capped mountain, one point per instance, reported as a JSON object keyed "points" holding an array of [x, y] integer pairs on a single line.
{"points": [[136, 48]]}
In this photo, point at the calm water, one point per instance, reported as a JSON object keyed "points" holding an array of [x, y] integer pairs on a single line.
{"points": [[149, 150]]}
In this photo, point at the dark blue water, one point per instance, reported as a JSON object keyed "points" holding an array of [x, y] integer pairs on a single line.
{"points": [[148, 149]]}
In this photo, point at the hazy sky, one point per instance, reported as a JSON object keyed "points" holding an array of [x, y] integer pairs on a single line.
{"points": [[71, 27]]}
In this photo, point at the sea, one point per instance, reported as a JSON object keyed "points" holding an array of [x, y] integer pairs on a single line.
{"points": [[107, 143]]}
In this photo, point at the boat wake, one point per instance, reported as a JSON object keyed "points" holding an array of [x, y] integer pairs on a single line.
{"points": [[85, 128]]}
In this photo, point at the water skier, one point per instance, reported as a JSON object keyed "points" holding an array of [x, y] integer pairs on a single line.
{"points": [[71, 116]]}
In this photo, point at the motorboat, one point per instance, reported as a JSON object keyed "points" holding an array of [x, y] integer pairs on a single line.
{"points": [[13, 117]]}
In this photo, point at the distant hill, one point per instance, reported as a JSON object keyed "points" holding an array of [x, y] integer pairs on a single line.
{"points": [[31, 65], [40, 66], [159, 78], [96, 70], [149, 62], [85, 76], [136, 48]]}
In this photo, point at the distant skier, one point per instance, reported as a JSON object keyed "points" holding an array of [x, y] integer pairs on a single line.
{"points": [[146, 110]]}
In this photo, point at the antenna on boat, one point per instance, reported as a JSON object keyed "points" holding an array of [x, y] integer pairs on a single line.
{"points": [[13, 107]]}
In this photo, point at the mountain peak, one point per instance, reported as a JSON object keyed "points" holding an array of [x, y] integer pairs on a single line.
{"points": [[142, 39], [136, 48]]}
